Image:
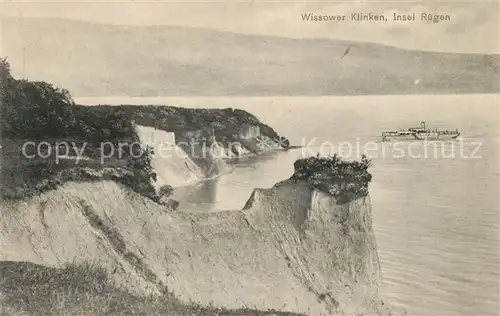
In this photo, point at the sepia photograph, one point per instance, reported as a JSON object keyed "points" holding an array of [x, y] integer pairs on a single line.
{"points": [[258, 157]]}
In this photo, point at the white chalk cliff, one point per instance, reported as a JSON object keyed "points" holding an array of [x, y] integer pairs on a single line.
{"points": [[290, 249], [172, 165], [249, 131], [176, 164]]}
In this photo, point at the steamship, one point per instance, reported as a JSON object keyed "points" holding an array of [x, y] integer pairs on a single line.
{"points": [[420, 133]]}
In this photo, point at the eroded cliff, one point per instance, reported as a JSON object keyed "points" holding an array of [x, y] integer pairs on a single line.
{"points": [[291, 249]]}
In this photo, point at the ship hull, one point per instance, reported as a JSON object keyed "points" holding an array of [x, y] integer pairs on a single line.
{"points": [[437, 136], [393, 138]]}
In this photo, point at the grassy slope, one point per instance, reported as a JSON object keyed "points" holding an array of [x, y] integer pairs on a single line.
{"points": [[98, 60], [33, 289]]}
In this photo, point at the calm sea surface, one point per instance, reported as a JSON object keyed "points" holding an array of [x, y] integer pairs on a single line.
{"points": [[435, 206]]}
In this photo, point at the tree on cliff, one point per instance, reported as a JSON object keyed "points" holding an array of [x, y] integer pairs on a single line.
{"points": [[33, 109]]}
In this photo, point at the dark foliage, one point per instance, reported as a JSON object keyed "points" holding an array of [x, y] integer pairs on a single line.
{"points": [[38, 111], [344, 180], [165, 191], [223, 124]]}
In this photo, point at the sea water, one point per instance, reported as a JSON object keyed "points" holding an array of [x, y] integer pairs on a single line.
{"points": [[435, 205]]}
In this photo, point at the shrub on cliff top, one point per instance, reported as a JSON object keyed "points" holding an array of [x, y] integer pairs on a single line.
{"points": [[344, 180]]}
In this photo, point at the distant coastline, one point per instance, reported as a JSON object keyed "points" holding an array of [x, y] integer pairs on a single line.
{"points": [[253, 65], [201, 101]]}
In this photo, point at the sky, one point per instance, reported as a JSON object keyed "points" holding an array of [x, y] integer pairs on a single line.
{"points": [[473, 27]]}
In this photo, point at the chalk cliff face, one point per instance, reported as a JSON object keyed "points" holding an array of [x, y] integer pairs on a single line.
{"points": [[195, 155], [249, 131], [291, 248], [331, 248], [172, 165]]}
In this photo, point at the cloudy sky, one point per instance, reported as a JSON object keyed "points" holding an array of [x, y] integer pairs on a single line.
{"points": [[474, 25]]}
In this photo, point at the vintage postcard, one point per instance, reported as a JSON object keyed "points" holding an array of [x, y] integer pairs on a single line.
{"points": [[251, 157]]}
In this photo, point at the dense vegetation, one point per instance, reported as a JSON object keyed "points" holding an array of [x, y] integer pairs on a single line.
{"points": [[223, 124], [38, 111], [86, 289], [344, 180]]}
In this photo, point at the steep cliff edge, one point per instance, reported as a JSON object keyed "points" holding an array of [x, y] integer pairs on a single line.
{"points": [[331, 248], [292, 248], [188, 156], [171, 164]]}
